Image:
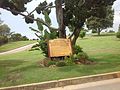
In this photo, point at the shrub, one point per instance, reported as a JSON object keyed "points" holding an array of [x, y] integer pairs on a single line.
{"points": [[94, 31], [3, 40], [82, 55], [45, 61], [69, 60], [61, 64], [51, 63], [24, 38], [43, 46], [118, 34], [111, 31], [82, 34], [77, 49]]}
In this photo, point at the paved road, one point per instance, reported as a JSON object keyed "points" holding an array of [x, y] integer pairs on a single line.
{"points": [[113, 84], [27, 47]]}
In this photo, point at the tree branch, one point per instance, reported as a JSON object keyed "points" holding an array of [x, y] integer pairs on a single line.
{"points": [[32, 11], [39, 6], [40, 20], [72, 34]]}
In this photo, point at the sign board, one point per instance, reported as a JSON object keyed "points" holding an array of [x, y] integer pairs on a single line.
{"points": [[59, 47]]}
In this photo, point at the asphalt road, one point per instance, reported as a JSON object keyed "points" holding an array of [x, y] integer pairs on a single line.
{"points": [[112, 84], [27, 47]]}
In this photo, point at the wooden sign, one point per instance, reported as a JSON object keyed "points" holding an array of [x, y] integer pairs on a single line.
{"points": [[59, 47]]}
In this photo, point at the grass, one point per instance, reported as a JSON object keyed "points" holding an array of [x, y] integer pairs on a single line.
{"points": [[23, 67], [14, 45], [104, 34]]}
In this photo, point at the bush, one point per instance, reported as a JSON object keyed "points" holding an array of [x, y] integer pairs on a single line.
{"points": [[44, 47], [82, 55], [111, 31], [24, 38], [77, 49], [82, 58], [61, 64], [82, 34], [3, 40], [51, 63], [69, 60], [118, 34], [94, 31]]}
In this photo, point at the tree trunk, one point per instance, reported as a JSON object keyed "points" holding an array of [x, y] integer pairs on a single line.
{"points": [[76, 35], [59, 16], [98, 32], [77, 32]]}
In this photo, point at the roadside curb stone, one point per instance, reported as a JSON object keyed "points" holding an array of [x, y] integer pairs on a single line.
{"points": [[64, 82]]}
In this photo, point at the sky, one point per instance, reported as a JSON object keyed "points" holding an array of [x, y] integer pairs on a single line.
{"points": [[116, 7], [17, 23]]}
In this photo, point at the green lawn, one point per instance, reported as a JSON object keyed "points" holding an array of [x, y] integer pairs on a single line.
{"points": [[23, 67], [13, 45]]}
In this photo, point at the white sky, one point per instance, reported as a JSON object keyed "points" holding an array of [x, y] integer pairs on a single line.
{"points": [[17, 23], [116, 22]]}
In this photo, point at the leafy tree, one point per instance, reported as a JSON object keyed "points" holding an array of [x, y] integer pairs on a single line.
{"points": [[118, 33], [119, 28], [24, 38], [0, 20], [98, 24], [16, 37], [69, 13], [4, 30], [3, 40]]}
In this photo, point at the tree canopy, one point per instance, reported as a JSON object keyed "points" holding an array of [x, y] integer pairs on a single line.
{"points": [[98, 24], [69, 13], [4, 30]]}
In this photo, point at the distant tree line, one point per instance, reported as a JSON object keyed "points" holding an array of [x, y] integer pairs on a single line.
{"points": [[7, 36]]}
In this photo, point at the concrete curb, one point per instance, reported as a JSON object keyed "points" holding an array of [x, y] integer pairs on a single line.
{"points": [[64, 82]]}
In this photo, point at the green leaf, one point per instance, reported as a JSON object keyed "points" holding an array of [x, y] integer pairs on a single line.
{"points": [[47, 18], [46, 34], [34, 30], [40, 26], [53, 35], [37, 35], [36, 45]]}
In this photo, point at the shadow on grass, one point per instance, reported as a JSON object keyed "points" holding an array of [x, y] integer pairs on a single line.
{"points": [[10, 79], [110, 34], [84, 38], [67, 68], [10, 63], [23, 68]]}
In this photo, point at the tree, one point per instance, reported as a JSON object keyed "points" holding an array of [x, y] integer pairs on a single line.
{"points": [[3, 40], [98, 24], [4, 30], [24, 38], [69, 13], [16, 37], [0, 20], [118, 33]]}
